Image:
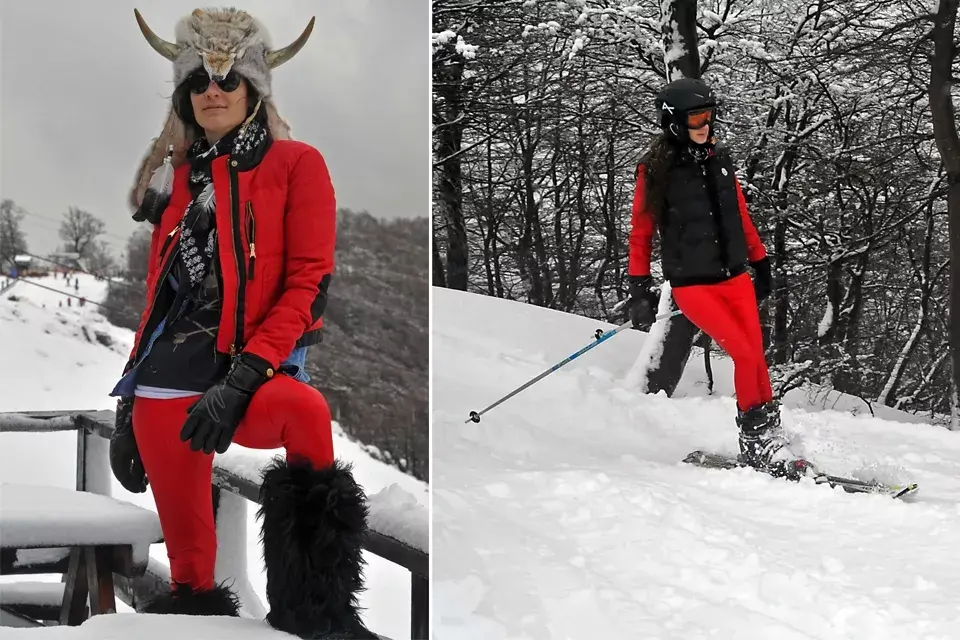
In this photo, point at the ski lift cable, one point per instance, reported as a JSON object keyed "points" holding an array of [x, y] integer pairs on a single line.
{"points": [[80, 269], [67, 293]]}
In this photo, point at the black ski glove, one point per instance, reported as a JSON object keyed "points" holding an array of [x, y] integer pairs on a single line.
{"points": [[763, 280], [644, 300], [213, 419], [124, 455]]}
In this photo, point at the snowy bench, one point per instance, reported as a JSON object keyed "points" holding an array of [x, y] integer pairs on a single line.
{"points": [[100, 536]]}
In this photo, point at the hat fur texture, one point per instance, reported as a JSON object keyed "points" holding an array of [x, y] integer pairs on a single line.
{"points": [[217, 40]]}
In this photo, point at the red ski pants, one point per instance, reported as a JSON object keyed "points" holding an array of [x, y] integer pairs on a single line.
{"points": [[727, 312], [283, 413]]}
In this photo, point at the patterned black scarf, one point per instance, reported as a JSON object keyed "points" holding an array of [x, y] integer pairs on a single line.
{"points": [[198, 233]]}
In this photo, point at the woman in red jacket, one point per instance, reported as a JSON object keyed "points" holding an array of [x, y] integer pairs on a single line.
{"points": [[687, 189], [241, 257]]}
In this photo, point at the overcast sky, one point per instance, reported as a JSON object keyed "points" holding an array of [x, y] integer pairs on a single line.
{"points": [[82, 94]]}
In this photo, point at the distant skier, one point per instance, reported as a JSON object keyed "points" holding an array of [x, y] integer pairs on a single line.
{"points": [[239, 264], [686, 189]]}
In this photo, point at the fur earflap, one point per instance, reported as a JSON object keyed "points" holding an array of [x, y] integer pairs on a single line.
{"points": [[314, 523], [175, 133]]}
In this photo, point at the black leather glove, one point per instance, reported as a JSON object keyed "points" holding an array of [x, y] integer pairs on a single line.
{"points": [[124, 455], [763, 280], [644, 300], [213, 419]]}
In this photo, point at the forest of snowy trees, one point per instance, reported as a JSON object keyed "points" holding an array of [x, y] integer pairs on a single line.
{"points": [[841, 121]]}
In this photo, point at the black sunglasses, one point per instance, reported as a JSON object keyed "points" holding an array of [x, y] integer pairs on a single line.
{"points": [[198, 82]]}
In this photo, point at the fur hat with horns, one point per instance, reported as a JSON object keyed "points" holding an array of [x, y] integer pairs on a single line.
{"points": [[218, 40]]}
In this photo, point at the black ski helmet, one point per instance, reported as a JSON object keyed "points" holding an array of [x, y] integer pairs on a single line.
{"points": [[679, 98]]}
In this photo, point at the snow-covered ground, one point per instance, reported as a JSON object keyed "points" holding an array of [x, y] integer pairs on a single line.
{"points": [[53, 360], [565, 513]]}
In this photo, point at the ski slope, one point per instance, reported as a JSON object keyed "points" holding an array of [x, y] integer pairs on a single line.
{"points": [[54, 360], [565, 513]]}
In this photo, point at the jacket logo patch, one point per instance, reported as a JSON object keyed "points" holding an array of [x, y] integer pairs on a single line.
{"points": [[723, 171]]}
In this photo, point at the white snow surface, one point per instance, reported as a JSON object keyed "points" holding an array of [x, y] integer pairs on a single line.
{"points": [[124, 626], [52, 517], [60, 365], [24, 592], [566, 512]]}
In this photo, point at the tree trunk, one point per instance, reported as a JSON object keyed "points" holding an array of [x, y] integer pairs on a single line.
{"points": [[948, 144], [682, 59], [450, 197]]}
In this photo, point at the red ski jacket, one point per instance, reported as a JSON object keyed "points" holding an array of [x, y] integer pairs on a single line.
{"points": [[276, 222]]}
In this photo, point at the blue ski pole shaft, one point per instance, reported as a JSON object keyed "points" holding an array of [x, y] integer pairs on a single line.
{"points": [[602, 337]]}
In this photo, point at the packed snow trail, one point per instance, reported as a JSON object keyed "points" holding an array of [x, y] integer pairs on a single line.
{"points": [[566, 512], [61, 361]]}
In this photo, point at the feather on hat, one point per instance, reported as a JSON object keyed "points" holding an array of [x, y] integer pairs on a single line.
{"points": [[218, 40]]}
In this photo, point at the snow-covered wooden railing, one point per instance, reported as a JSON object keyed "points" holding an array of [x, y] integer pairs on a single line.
{"points": [[400, 538]]}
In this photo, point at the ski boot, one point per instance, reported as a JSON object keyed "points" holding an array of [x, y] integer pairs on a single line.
{"points": [[763, 445]]}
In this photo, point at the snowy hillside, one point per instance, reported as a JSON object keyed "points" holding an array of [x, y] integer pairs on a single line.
{"points": [[565, 513], [59, 357]]}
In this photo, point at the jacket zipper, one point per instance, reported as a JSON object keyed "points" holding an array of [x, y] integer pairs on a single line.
{"points": [[164, 272], [237, 345], [166, 243], [251, 238]]}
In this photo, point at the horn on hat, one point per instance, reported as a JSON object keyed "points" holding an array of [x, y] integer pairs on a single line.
{"points": [[168, 50], [279, 56]]}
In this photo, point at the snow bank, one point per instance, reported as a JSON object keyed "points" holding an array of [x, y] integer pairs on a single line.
{"points": [[566, 511]]}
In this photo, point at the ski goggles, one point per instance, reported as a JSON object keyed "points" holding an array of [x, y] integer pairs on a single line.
{"points": [[699, 118], [199, 81]]}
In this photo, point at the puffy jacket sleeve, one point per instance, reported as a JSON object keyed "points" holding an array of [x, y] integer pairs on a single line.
{"points": [[309, 243], [641, 231], [755, 249]]}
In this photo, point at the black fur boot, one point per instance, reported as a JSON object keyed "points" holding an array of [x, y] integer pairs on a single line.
{"points": [[183, 600], [314, 522]]}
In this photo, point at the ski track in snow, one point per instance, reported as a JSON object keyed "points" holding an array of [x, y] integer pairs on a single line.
{"points": [[59, 368], [565, 513]]}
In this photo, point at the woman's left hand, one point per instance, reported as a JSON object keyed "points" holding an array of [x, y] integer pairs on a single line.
{"points": [[763, 280], [213, 419]]}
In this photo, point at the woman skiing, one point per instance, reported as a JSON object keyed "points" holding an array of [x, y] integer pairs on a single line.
{"points": [[686, 189], [240, 260]]}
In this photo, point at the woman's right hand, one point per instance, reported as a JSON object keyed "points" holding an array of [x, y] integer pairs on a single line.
{"points": [[644, 301], [124, 455]]}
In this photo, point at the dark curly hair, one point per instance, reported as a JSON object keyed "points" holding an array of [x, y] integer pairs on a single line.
{"points": [[657, 161]]}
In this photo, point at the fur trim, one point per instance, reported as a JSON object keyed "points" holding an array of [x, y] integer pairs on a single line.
{"points": [[314, 523], [221, 40], [183, 600]]}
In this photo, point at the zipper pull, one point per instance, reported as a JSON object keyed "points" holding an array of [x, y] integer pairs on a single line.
{"points": [[253, 260]]}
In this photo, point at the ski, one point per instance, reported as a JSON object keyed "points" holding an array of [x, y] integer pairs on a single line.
{"points": [[709, 460]]}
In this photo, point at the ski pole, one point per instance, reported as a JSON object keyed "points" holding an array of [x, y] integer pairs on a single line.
{"points": [[598, 338]]}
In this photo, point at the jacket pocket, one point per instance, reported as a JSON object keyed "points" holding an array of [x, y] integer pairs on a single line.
{"points": [[251, 240]]}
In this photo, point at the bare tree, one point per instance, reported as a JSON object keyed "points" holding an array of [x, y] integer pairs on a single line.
{"points": [[79, 230], [138, 254], [100, 260], [12, 239]]}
